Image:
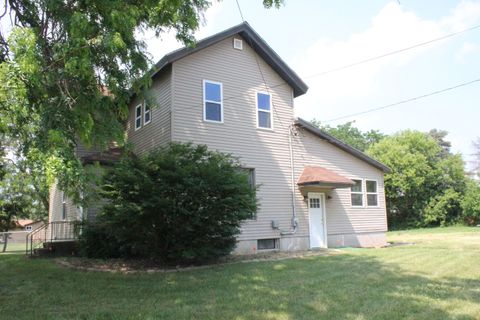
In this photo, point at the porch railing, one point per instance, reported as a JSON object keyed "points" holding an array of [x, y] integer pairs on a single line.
{"points": [[55, 231]]}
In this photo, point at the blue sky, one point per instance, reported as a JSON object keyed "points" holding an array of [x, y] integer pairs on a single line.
{"points": [[315, 36]]}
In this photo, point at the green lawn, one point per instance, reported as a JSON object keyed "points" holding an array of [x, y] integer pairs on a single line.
{"points": [[437, 278]]}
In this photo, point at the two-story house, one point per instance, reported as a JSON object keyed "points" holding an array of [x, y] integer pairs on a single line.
{"points": [[233, 93]]}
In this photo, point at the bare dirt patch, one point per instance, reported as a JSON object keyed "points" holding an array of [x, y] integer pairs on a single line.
{"points": [[152, 266]]}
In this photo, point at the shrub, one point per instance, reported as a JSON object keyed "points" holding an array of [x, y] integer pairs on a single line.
{"points": [[181, 203], [471, 203]]}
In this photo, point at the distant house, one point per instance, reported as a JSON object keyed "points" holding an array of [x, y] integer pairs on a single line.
{"points": [[233, 93], [27, 224]]}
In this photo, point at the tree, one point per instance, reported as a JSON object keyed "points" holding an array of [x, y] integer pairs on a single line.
{"points": [[68, 69], [351, 135], [426, 182], [471, 203], [181, 203]]}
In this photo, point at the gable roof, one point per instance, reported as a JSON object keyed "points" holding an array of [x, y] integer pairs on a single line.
{"points": [[341, 145], [255, 41]]}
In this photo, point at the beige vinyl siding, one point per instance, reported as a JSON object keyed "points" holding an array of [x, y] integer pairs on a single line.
{"points": [[341, 217], [265, 150], [55, 206], [156, 133]]}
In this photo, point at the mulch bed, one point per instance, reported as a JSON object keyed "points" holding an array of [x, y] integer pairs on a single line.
{"points": [[152, 266]]}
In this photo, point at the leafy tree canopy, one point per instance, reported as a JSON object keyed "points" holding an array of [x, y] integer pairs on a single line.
{"points": [[426, 182], [351, 135], [68, 68]]}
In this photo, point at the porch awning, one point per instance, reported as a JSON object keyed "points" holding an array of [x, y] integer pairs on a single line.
{"points": [[321, 177]]}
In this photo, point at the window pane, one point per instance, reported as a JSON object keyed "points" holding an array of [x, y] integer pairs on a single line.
{"points": [[264, 119], [357, 199], [147, 115], [263, 101], [213, 111], [212, 92], [139, 111], [372, 200], [358, 186], [138, 123], [371, 186]]}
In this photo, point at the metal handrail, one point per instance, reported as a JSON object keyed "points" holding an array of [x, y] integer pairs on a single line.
{"points": [[51, 232]]}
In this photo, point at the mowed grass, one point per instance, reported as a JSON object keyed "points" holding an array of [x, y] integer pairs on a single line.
{"points": [[437, 278]]}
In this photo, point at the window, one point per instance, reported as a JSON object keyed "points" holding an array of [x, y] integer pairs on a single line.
{"points": [[264, 110], [357, 194], [212, 101], [147, 115], [267, 244], [251, 181], [314, 203], [372, 193], [64, 206], [138, 117]]}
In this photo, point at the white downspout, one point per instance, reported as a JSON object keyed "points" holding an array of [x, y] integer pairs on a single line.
{"points": [[292, 171]]}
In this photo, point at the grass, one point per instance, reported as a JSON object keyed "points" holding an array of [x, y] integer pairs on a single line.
{"points": [[437, 278]]}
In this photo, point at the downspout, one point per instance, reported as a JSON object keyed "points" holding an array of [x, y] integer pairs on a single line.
{"points": [[292, 171]]}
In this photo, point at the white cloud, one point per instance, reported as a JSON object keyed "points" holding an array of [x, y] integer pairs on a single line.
{"points": [[391, 29]]}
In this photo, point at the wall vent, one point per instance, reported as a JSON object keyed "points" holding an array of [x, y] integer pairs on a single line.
{"points": [[237, 44]]}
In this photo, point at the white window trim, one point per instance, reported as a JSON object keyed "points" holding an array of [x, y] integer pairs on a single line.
{"points": [[211, 101], [138, 117], [64, 207], [145, 113], [259, 110], [375, 193], [358, 192]]}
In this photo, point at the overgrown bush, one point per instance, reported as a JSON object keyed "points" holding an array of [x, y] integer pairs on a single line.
{"points": [[182, 203], [471, 203]]}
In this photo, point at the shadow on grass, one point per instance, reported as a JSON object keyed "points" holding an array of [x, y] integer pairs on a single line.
{"points": [[338, 287]]}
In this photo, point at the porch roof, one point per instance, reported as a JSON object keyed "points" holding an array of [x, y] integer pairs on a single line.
{"points": [[319, 176]]}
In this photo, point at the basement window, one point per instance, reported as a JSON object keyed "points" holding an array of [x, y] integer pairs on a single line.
{"points": [[268, 244]]}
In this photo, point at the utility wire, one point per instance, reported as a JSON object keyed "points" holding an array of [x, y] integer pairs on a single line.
{"points": [[403, 101], [240, 11], [391, 53]]}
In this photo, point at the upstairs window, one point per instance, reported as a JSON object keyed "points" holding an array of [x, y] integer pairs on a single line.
{"points": [[147, 115], [264, 110], [212, 101], [357, 194], [138, 117], [372, 193]]}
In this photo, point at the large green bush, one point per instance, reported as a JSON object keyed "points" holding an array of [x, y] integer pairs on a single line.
{"points": [[181, 203]]}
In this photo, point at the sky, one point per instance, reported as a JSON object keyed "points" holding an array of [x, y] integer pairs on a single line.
{"points": [[317, 36]]}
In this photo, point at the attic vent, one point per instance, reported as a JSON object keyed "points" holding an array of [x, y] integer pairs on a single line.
{"points": [[237, 44]]}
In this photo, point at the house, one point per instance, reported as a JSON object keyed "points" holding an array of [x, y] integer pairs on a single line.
{"points": [[233, 93], [27, 224]]}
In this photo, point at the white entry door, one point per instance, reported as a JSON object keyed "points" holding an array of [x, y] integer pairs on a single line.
{"points": [[318, 231]]}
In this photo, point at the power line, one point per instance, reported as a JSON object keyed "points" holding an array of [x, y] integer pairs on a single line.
{"points": [[403, 101], [391, 53], [240, 10]]}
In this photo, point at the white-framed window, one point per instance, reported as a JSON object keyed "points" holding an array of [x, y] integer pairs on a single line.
{"points": [[212, 101], [64, 206], [147, 114], [356, 193], [264, 110], [372, 193], [138, 117]]}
